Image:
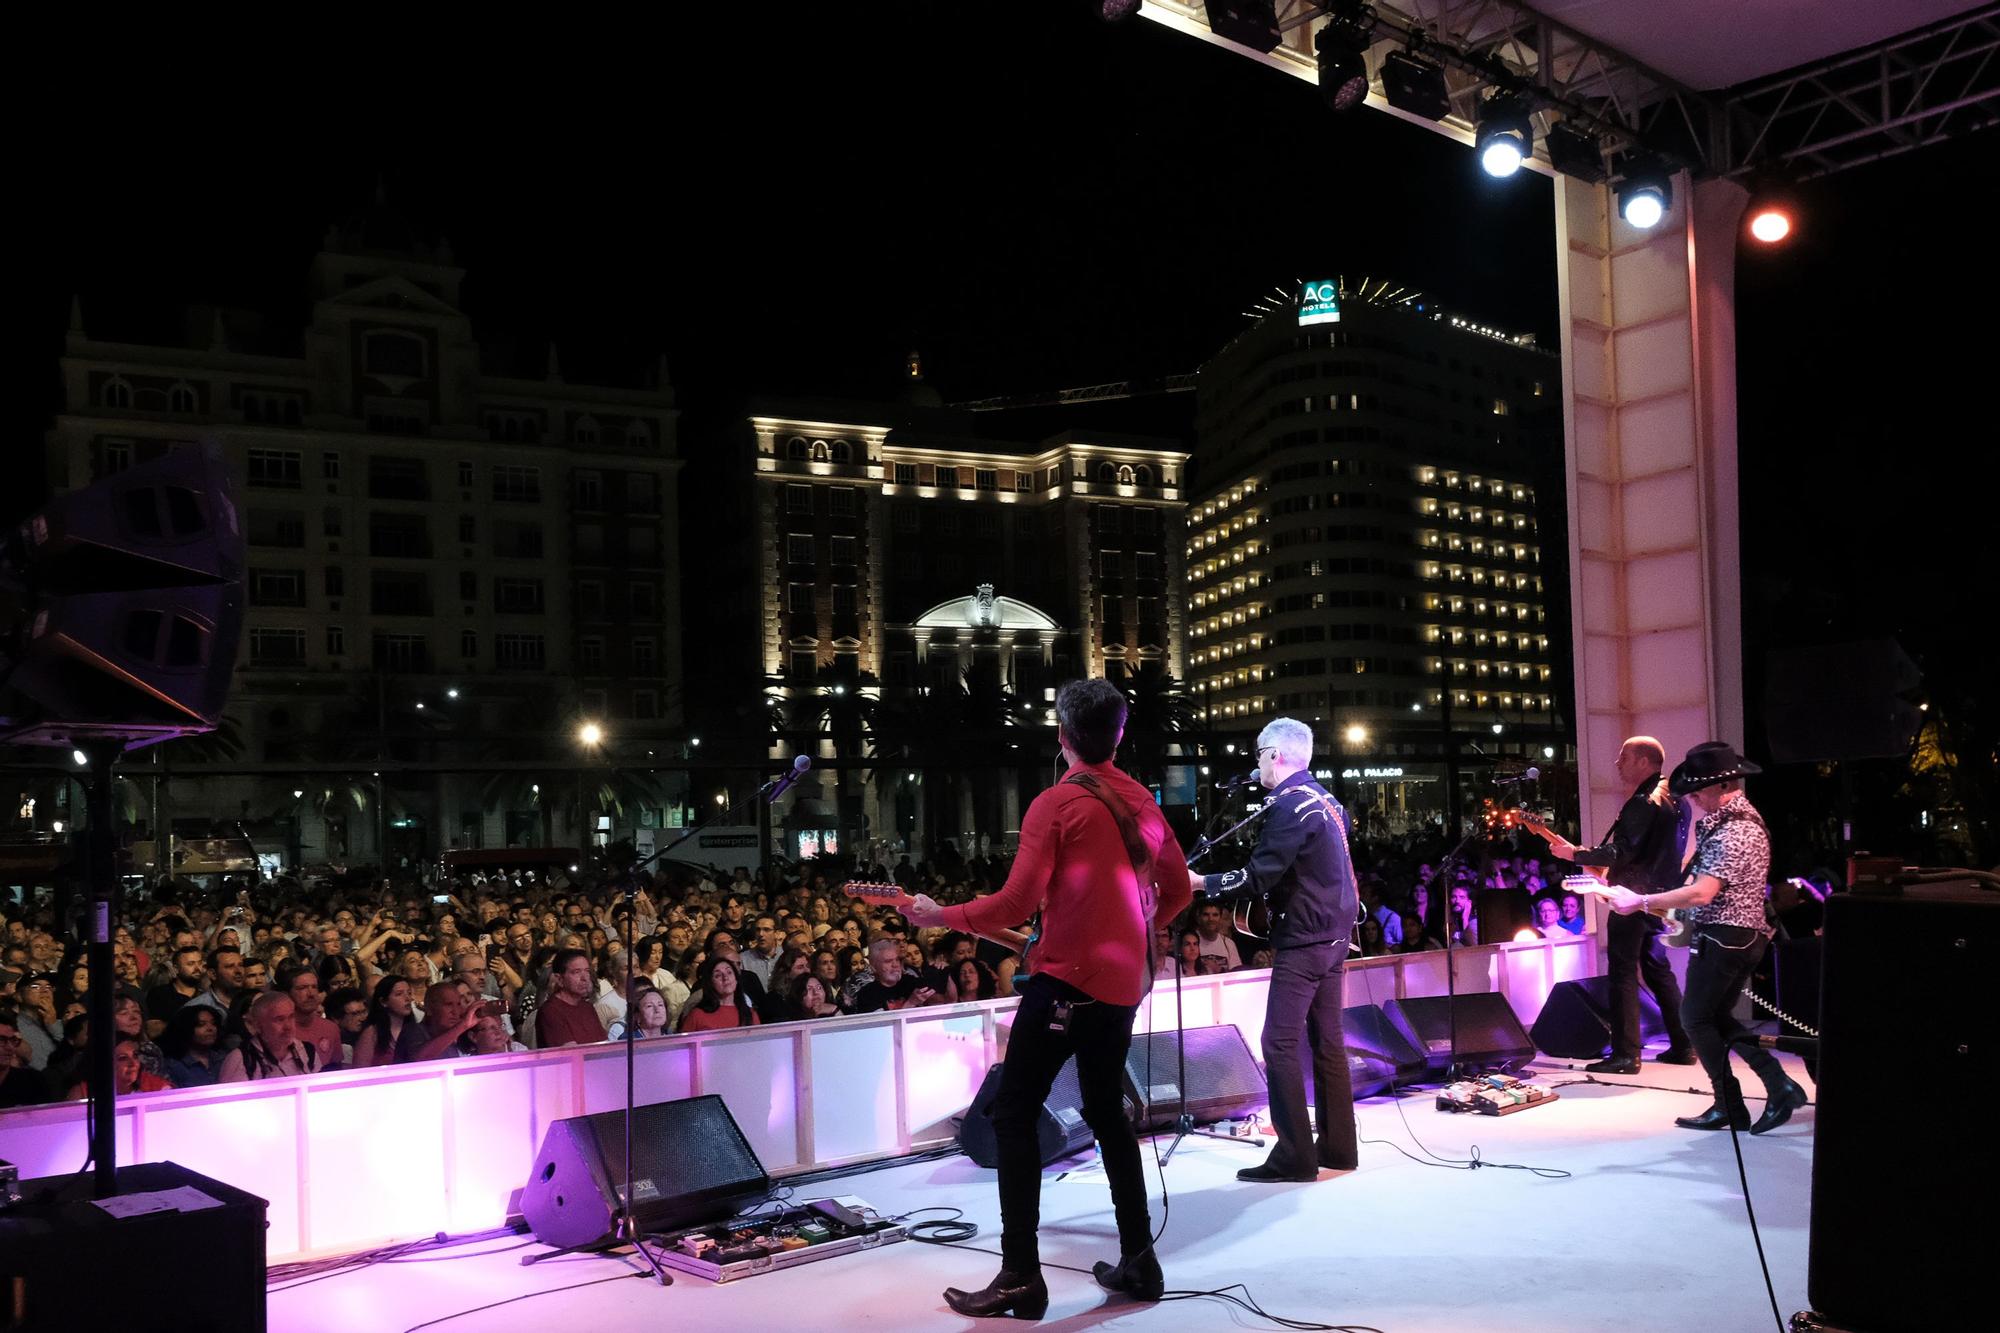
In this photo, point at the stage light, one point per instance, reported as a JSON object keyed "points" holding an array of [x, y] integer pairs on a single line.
{"points": [[1574, 153], [1772, 216], [1506, 136], [1525, 935], [1251, 23], [1343, 72], [1415, 86], [1645, 195]]}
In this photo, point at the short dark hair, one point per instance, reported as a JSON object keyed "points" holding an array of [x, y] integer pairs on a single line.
{"points": [[1092, 715], [564, 957]]}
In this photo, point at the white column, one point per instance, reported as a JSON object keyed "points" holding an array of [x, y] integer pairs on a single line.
{"points": [[1649, 370]]}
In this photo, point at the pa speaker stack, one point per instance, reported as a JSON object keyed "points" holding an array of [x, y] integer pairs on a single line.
{"points": [[1379, 1054], [691, 1164], [1906, 1001], [1059, 1129]]}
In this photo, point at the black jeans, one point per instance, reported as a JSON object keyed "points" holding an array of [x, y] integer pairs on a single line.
{"points": [[1098, 1035], [1633, 941], [1722, 959], [1305, 1005]]}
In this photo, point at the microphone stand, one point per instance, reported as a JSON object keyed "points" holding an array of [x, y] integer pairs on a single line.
{"points": [[628, 1222], [1184, 1123]]}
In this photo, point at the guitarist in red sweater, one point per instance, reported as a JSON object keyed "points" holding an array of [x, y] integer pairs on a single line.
{"points": [[1102, 867]]}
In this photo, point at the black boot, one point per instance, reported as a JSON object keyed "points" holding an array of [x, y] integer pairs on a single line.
{"points": [[1728, 1111], [1137, 1275], [1021, 1295], [1779, 1103]]}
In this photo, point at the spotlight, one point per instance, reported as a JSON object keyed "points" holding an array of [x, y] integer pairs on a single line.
{"points": [[1574, 153], [1251, 23], [1343, 73], [1645, 195], [1772, 216], [1415, 86], [1505, 136]]}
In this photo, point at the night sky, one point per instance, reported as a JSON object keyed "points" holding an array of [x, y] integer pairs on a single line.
{"points": [[1032, 198]]}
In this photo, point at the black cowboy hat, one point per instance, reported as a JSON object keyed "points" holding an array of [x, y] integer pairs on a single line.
{"points": [[1707, 764]]}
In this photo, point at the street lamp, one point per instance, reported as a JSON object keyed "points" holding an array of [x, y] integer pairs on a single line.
{"points": [[1357, 734], [590, 734]]}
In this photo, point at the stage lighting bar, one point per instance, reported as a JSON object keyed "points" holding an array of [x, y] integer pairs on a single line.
{"points": [[1415, 86], [1505, 137]]}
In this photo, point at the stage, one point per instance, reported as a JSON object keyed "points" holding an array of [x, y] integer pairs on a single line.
{"points": [[1648, 1232]]}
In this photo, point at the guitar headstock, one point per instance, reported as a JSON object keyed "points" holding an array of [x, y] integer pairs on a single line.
{"points": [[877, 891]]}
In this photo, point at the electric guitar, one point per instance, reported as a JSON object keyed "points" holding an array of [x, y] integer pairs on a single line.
{"points": [[1679, 937], [892, 894]]}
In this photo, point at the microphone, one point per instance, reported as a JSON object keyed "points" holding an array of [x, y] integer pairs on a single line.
{"points": [[781, 784], [1525, 775], [1240, 780]]}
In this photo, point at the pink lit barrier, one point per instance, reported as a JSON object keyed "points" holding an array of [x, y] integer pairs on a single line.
{"points": [[358, 1158]]}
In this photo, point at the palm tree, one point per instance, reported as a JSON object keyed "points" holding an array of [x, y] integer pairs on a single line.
{"points": [[1160, 713]]}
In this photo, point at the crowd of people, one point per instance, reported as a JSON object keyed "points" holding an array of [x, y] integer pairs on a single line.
{"points": [[250, 981]]}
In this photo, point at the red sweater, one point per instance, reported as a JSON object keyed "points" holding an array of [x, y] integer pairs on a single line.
{"points": [[1072, 866], [561, 1023]]}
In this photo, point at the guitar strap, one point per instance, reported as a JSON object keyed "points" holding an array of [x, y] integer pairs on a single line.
{"points": [[1141, 857]]}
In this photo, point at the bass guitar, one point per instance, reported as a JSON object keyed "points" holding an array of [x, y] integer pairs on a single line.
{"points": [[1679, 937]]}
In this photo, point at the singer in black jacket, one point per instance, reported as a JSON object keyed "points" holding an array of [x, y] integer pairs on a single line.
{"points": [[1643, 853], [1302, 868]]}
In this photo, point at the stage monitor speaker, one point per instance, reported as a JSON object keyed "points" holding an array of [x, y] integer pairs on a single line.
{"points": [[1906, 999], [1575, 1022], [1223, 1078], [1489, 1035], [1378, 1053], [692, 1165], [1059, 1130]]}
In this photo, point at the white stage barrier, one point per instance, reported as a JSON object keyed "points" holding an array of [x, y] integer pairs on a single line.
{"points": [[357, 1158]]}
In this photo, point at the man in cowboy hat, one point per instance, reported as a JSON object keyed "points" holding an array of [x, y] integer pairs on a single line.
{"points": [[1724, 893]]}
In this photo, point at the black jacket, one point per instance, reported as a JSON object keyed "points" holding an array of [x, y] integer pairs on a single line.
{"points": [[1301, 867], [1643, 850]]}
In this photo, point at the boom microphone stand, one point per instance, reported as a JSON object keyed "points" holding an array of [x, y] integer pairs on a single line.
{"points": [[1184, 1123], [628, 1222]]}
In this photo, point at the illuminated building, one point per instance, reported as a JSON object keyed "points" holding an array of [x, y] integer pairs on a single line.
{"points": [[1366, 537]]}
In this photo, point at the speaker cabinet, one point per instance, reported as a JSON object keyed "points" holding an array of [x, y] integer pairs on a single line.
{"points": [[1906, 1003], [1575, 1022], [1223, 1078], [1488, 1035], [1378, 1052], [68, 1264], [691, 1165], [1059, 1130]]}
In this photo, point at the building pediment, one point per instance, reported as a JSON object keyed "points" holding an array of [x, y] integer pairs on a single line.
{"points": [[391, 292], [985, 611]]}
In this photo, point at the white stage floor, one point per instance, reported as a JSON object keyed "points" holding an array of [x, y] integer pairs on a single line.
{"points": [[1648, 1232]]}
